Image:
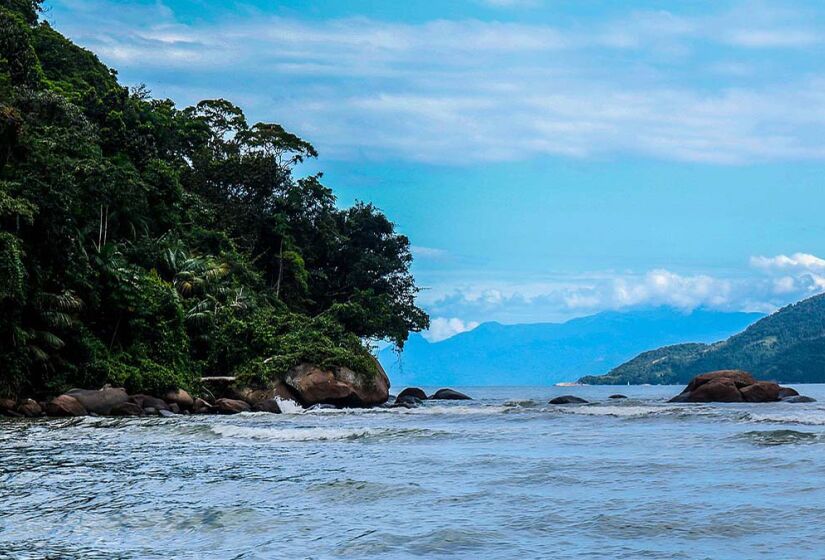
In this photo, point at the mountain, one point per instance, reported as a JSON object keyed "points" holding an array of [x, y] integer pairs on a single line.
{"points": [[546, 353], [788, 346]]}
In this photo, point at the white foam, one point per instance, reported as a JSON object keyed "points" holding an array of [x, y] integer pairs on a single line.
{"points": [[291, 434], [807, 417], [288, 406]]}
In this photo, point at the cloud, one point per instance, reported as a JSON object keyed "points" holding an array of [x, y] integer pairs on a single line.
{"points": [[428, 252], [442, 328], [465, 91], [804, 261]]}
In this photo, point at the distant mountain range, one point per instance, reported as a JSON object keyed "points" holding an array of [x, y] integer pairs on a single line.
{"points": [[547, 353], [788, 346]]}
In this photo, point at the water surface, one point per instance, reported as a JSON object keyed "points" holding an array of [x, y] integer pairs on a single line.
{"points": [[504, 476]]}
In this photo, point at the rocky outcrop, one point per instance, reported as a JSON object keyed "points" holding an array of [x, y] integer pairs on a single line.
{"points": [[338, 386], [449, 395], [64, 405], [99, 401], [568, 399], [731, 386]]}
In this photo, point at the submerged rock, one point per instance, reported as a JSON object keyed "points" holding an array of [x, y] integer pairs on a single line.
{"points": [[338, 386], [617, 396], [412, 392], [798, 399], [731, 386], [408, 400], [787, 392], [64, 405], [449, 395], [99, 401], [231, 406], [568, 399], [166, 413]]}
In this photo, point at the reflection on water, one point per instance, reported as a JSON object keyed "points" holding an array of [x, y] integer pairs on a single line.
{"points": [[504, 476]]}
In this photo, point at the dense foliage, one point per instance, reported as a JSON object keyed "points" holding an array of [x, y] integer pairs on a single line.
{"points": [[146, 245], [788, 346]]}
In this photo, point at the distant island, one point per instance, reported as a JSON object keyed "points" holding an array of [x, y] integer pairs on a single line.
{"points": [[787, 346], [547, 353]]}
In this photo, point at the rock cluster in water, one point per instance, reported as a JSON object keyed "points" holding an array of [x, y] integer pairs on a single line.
{"points": [[412, 397], [736, 386], [304, 385]]}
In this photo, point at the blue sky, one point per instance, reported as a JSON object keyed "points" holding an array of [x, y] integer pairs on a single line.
{"points": [[547, 158]]}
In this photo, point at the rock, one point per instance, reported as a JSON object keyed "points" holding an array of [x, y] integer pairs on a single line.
{"points": [[323, 407], [761, 391], [269, 405], [410, 400], [100, 401], [253, 396], [404, 404], [174, 408], [150, 411], [449, 395], [181, 398], [148, 401], [165, 413], [30, 408], [617, 397], [787, 392], [200, 406], [798, 399], [231, 406], [731, 386], [568, 399], [64, 405], [126, 409], [339, 386], [412, 392], [7, 405], [219, 387]]}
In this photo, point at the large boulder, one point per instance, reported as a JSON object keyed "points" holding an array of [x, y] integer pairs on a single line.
{"points": [[412, 392], [449, 395], [731, 386], [99, 401], [231, 406], [270, 405], [30, 408], [568, 399], [338, 386], [64, 405], [181, 398]]}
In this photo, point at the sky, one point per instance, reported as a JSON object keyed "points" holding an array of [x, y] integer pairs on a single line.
{"points": [[547, 158]]}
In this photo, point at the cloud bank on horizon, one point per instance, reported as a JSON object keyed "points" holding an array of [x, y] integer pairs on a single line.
{"points": [[430, 86]]}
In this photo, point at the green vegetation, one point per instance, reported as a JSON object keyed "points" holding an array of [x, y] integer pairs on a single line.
{"points": [[788, 346], [145, 245]]}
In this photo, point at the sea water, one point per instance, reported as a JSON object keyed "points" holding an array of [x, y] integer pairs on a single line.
{"points": [[503, 476]]}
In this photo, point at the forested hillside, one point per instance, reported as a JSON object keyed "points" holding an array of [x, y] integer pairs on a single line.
{"points": [[145, 245], [788, 346]]}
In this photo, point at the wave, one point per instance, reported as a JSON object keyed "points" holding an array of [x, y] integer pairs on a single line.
{"points": [[780, 437], [315, 433]]}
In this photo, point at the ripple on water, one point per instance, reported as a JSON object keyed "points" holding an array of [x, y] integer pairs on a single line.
{"points": [[780, 437]]}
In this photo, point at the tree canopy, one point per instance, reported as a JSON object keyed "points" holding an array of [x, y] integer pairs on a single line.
{"points": [[146, 245]]}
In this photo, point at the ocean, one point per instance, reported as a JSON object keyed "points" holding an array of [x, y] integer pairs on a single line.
{"points": [[503, 476]]}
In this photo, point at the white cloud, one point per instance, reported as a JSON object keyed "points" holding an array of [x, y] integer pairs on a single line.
{"points": [[804, 261], [431, 253], [442, 328], [464, 91]]}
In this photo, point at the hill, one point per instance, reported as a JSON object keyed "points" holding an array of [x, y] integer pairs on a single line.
{"points": [[546, 353], [787, 346]]}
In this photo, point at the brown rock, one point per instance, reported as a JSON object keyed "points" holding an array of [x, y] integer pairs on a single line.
{"points": [[231, 406], [200, 406], [721, 389], [787, 392], [126, 409], [761, 391], [148, 401], [271, 406], [339, 386], [7, 405], [738, 377], [174, 408], [100, 401], [30, 408], [412, 392], [64, 405], [181, 398], [253, 396]]}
